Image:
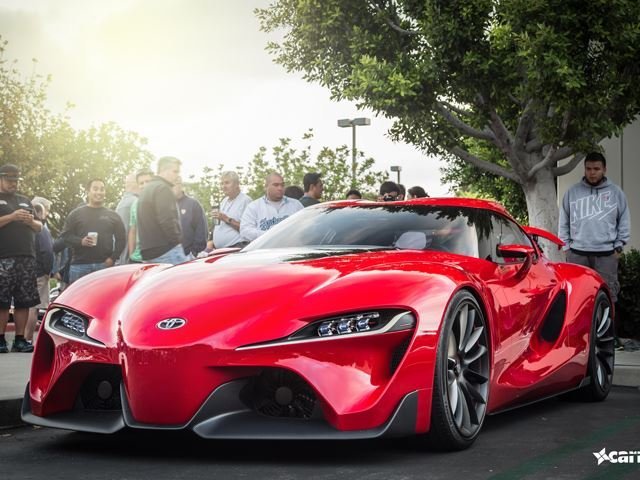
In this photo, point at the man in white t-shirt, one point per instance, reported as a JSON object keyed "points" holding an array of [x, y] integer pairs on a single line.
{"points": [[268, 211], [227, 232]]}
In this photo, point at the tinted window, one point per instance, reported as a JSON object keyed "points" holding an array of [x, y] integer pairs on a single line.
{"points": [[449, 229], [503, 232]]}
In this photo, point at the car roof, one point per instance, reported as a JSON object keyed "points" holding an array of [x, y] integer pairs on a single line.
{"points": [[433, 201]]}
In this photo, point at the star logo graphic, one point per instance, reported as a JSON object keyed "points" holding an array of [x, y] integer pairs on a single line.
{"points": [[601, 456]]}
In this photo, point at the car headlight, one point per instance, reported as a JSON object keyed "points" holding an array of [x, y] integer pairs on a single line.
{"points": [[361, 322], [70, 325], [350, 325]]}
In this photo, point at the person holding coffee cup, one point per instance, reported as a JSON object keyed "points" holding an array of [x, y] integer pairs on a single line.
{"points": [[226, 216], [95, 234], [18, 279]]}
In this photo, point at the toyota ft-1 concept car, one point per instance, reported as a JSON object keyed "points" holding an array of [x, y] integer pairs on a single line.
{"points": [[348, 320]]}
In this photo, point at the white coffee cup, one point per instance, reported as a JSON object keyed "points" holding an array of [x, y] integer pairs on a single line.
{"points": [[94, 237], [215, 209]]}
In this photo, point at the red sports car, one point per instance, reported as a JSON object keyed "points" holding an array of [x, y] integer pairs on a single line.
{"points": [[348, 320]]}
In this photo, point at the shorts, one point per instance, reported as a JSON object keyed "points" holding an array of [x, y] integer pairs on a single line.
{"points": [[43, 291], [18, 281]]}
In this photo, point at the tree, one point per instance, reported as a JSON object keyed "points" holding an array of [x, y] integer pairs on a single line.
{"points": [[293, 163], [57, 161], [25, 122], [471, 181], [540, 82], [107, 152]]}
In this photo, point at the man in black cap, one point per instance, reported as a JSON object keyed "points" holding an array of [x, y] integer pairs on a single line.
{"points": [[18, 279]]}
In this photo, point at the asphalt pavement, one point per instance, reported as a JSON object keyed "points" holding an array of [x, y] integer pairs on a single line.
{"points": [[551, 440]]}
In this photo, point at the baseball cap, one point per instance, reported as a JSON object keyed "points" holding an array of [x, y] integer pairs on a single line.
{"points": [[10, 172]]}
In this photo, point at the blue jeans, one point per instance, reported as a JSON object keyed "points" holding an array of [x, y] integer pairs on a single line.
{"points": [[174, 256], [79, 270]]}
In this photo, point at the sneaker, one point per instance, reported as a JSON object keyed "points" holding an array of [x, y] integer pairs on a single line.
{"points": [[21, 345], [3, 346]]}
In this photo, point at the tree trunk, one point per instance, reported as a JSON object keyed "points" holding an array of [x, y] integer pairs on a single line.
{"points": [[542, 206]]}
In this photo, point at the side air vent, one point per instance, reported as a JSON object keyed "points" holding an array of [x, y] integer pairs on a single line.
{"points": [[555, 318], [398, 354]]}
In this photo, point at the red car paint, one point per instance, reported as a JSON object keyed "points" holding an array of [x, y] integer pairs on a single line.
{"points": [[234, 301]]}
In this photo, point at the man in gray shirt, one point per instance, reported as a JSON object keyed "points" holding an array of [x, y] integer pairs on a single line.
{"points": [[227, 232], [594, 222]]}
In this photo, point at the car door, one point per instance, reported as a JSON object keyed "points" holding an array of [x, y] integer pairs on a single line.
{"points": [[524, 292]]}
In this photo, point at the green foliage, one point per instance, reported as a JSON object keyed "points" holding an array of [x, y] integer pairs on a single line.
{"points": [[538, 81], [293, 163], [471, 181], [628, 306], [206, 188], [56, 160]]}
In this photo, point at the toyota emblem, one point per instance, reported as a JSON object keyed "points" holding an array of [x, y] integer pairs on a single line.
{"points": [[171, 323]]}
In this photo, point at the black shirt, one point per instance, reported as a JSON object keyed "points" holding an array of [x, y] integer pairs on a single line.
{"points": [[44, 251], [158, 219], [108, 225], [16, 238], [307, 201]]}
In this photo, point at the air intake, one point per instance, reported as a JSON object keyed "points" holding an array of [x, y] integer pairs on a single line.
{"points": [[101, 389], [281, 393]]}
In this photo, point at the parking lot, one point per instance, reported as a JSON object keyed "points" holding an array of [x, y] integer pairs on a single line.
{"points": [[552, 439]]}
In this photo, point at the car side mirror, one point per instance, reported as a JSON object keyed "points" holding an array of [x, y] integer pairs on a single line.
{"points": [[516, 251]]}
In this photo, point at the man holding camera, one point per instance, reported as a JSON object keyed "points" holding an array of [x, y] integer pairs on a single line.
{"points": [[389, 192], [18, 280]]}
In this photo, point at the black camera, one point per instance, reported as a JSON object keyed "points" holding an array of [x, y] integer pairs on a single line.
{"points": [[388, 197]]}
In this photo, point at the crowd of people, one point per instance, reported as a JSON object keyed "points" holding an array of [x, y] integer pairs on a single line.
{"points": [[156, 221]]}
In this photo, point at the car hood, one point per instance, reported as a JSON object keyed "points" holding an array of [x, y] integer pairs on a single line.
{"points": [[251, 297]]}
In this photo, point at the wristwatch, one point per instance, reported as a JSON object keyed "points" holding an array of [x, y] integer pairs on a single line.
{"points": [[618, 249]]}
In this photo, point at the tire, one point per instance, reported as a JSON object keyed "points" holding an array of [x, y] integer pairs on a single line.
{"points": [[461, 380], [601, 353]]}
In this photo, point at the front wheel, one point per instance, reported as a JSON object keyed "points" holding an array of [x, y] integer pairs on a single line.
{"points": [[461, 381]]}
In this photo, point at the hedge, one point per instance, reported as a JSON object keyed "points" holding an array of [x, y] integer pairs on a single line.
{"points": [[628, 306]]}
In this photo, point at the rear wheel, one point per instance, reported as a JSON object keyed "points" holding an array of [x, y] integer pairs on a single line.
{"points": [[461, 382], [601, 352]]}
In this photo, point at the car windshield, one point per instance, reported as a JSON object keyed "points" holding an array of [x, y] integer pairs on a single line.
{"points": [[416, 227]]}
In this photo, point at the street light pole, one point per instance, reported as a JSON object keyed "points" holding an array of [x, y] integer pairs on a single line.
{"points": [[397, 169], [353, 156], [353, 123]]}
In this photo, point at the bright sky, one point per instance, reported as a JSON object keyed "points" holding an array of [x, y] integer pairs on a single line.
{"points": [[191, 76]]}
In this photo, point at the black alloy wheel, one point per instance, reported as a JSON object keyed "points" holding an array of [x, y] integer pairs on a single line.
{"points": [[461, 383], [601, 352]]}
